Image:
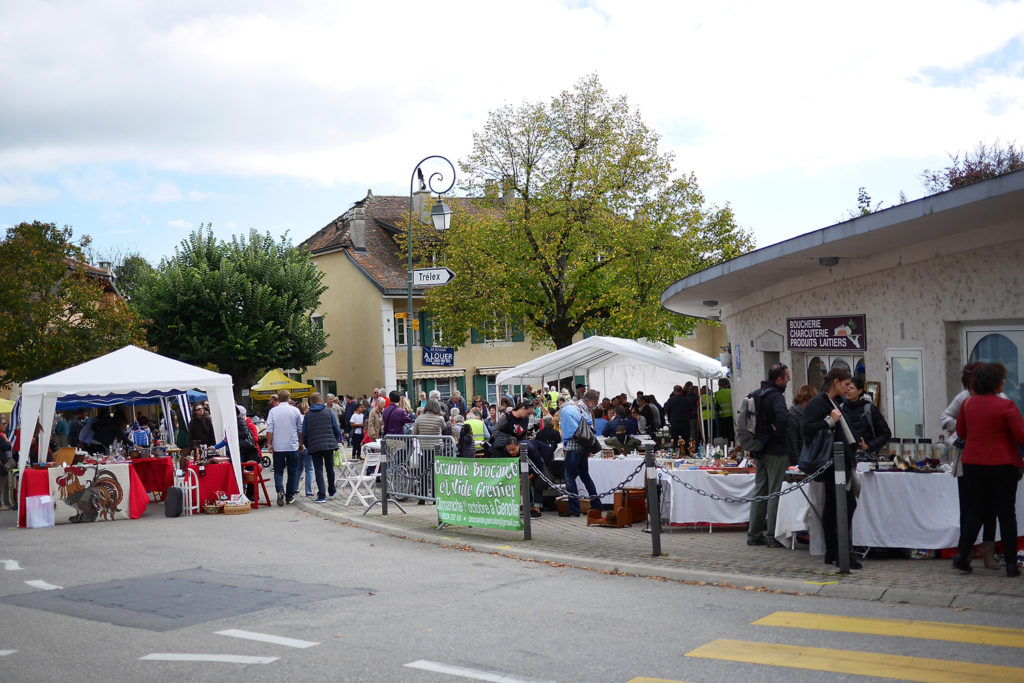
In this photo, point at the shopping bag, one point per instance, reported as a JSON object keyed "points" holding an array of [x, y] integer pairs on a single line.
{"points": [[337, 458], [816, 452], [38, 512]]}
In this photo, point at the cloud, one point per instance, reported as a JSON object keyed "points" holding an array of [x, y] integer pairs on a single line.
{"points": [[24, 191], [180, 223], [165, 192]]}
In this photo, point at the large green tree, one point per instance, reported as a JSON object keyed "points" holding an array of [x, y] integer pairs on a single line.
{"points": [[580, 222], [241, 306], [55, 313]]}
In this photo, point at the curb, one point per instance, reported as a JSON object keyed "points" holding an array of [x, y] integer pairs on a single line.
{"points": [[1001, 604]]}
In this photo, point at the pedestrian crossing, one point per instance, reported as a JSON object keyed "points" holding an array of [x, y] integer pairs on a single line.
{"points": [[864, 663]]}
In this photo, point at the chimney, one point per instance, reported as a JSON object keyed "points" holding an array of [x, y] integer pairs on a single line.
{"points": [[508, 191], [421, 205], [104, 265], [357, 228]]}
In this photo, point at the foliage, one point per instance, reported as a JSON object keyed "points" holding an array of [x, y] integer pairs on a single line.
{"points": [[864, 206], [55, 316], [593, 226], [983, 163], [128, 267], [242, 305]]}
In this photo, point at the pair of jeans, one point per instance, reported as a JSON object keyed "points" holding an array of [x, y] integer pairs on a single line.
{"points": [[306, 466], [991, 491], [323, 459], [769, 471], [577, 464], [289, 460]]}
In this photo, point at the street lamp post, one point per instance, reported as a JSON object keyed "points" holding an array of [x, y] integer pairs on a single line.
{"points": [[440, 216]]}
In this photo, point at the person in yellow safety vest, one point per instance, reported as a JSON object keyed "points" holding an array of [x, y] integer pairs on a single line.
{"points": [[707, 411], [723, 403], [479, 429], [552, 399]]}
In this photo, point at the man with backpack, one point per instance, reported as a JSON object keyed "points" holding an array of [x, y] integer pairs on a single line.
{"points": [[771, 461]]}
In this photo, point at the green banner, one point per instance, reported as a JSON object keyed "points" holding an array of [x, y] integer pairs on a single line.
{"points": [[478, 492]]}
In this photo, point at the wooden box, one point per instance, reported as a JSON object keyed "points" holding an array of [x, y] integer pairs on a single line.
{"points": [[633, 499]]}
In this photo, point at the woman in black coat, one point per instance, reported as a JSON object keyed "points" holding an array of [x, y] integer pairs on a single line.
{"points": [[865, 420], [822, 412]]}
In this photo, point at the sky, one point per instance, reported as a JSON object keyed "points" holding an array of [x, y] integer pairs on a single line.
{"points": [[135, 122]]}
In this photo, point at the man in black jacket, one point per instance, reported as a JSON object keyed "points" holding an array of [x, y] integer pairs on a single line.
{"points": [[680, 408], [772, 460]]}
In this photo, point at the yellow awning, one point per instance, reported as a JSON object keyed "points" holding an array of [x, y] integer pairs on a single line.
{"points": [[436, 374], [496, 370], [273, 382], [6, 405]]}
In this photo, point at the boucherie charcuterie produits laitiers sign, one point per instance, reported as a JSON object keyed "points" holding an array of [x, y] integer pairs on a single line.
{"points": [[833, 333]]}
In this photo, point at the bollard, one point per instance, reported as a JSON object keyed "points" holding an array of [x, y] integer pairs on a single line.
{"points": [[653, 507], [383, 468], [524, 495], [842, 527]]}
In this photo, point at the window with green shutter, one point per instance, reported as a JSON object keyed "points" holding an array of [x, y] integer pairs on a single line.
{"points": [[479, 386]]}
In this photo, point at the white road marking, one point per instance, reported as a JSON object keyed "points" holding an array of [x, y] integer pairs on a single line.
{"points": [[228, 659], [42, 585], [266, 638], [475, 674], [4, 653], [11, 565]]}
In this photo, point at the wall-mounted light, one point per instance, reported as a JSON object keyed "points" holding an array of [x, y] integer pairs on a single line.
{"points": [[828, 261], [711, 303]]}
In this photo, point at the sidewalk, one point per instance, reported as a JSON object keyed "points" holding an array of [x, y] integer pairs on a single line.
{"points": [[720, 558]]}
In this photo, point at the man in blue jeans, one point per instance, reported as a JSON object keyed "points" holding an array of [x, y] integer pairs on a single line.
{"points": [[284, 439], [577, 461]]}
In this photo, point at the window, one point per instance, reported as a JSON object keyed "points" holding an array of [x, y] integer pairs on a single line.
{"points": [[399, 331], [1000, 344], [316, 321], [320, 385], [492, 389], [435, 338], [444, 385]]}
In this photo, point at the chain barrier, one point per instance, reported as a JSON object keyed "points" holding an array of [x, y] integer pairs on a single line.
{"points": [[730, 499], [563, 491]]}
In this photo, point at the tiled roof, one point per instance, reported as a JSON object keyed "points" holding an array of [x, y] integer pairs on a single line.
{"points": [[383, 261]]}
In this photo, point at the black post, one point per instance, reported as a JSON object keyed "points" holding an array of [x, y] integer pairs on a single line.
{"points": [[842, 527], [383, 469], [653, 508], [524, 495]]}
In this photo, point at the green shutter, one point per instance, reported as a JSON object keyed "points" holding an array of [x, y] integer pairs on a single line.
{"points": [[479, 386], [332, 387], [517, 332], [460, 382], [428, 385], [578, 379], [475, 337], [426, 333]]}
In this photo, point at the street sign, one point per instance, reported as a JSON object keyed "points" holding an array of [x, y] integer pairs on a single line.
{"points": [[431, 277]]}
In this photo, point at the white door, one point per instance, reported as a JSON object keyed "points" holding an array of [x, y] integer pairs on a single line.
{"points": [[999, 344], [905, 375]]}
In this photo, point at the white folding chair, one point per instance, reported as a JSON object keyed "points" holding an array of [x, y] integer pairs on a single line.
{"points": [[361, 485], [188, 481]]}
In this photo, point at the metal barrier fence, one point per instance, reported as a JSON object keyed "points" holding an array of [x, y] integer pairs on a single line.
{"points": [[407, 467]]}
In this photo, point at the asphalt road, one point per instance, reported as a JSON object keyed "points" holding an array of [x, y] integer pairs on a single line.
{"points": [[368, 607]]}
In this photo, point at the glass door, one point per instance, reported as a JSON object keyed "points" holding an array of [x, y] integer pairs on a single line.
{"points": [[905, 375], [1000, 344]]}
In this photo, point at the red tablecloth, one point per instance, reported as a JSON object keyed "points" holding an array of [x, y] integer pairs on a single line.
{"points": [[157, 474], [37, 483], [218, 477]]}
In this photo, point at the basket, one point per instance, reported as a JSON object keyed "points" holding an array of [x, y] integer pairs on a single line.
{"points": [[236, 509], [213, 509]]}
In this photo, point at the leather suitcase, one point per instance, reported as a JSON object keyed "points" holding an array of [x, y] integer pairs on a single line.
{"points": [[174, 504]]}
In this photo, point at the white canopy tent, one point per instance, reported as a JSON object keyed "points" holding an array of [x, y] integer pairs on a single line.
{"points": [[613, 365], [129, 373]]}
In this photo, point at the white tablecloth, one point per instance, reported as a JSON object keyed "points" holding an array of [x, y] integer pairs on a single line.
{"points": [[608, 473], [681, 506], [895, 510]]}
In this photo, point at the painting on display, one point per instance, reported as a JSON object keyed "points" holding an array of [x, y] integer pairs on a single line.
{"points": [[90, 493]]}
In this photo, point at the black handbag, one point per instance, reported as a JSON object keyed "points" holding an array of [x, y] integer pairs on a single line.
{"points": [[585, 436], [817, 452]]}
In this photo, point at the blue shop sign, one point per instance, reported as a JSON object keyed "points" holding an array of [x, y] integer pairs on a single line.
{"points": [[439, 355]]}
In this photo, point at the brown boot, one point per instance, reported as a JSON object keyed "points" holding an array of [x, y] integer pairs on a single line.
{"points": [[988, 555]]}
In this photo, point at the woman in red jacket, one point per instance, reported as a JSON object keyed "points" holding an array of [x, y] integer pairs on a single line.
{"points": [[993, 431]]}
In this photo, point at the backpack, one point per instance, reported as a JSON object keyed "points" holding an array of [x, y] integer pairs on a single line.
{"points": [[752, 428]]}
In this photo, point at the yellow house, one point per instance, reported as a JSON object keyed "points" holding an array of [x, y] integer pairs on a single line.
{"points": [[363, 311]]}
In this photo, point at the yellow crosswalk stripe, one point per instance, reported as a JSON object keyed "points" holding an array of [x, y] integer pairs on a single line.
{"points": [[857, 663], [925, 630], [645, 679]]}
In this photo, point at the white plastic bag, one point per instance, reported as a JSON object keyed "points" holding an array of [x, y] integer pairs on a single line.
{"points": [[38, 512]]}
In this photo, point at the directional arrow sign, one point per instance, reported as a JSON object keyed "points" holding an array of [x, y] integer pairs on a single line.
{"points": [[431, 277]]}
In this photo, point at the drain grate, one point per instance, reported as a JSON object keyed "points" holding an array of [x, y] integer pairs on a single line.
{"points": [[162, 602]]}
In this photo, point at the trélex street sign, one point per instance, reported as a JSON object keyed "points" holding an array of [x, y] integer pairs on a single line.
{"points": [[431, 277]]}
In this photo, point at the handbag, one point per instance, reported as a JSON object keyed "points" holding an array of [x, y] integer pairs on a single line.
{"points": [[817, 452], [585, 437]]}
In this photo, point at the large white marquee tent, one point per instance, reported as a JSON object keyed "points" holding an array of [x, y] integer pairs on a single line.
{"points": [[613, 365], [127, 374]]}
